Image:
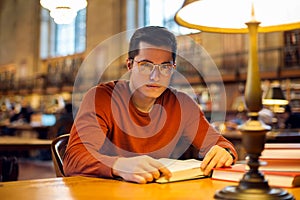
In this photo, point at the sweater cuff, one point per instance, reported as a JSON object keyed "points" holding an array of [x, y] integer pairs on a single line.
{"points": [[230, 152]]}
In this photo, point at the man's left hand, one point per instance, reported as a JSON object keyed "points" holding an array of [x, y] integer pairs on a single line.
{"points": [[216, 157]]}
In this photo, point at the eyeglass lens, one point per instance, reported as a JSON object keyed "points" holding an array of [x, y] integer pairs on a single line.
{"points": [[147, 68]]}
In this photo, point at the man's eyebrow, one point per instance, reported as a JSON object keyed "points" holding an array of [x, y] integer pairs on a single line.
{"points": [[145, 60]]}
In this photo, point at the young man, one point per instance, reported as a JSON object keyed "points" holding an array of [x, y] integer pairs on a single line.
{"points": [[122, 127]]}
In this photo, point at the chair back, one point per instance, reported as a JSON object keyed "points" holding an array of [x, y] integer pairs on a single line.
{"points": [[9, 168], [58, 148]]}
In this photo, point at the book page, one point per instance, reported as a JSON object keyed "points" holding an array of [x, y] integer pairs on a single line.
{"points": [[179, 165], [181, 170], [282, 146]]}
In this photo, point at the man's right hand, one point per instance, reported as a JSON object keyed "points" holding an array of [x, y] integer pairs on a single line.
{"points": [[139, 169]]}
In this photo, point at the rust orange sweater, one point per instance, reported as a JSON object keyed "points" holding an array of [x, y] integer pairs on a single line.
{"points": [[108, 126]]}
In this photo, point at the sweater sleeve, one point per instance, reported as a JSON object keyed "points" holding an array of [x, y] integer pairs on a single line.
{"points": [[206, 136], [212, 137], [82, 156]]}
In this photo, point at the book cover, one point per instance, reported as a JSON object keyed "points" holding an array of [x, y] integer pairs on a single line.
{"points": [[275, 178], [273, 164], [281, 157], [281, 151], [282, 145], [181, 170], [280, 154]]}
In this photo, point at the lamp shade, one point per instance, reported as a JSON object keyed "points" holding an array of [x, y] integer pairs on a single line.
{"points": [[274, 96], [229, 16]]}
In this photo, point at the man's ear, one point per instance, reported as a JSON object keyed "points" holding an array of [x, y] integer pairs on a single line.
{"points": [[129, 64]]}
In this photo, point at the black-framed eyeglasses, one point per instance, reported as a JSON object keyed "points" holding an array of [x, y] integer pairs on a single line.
{"points": [[146, 67]]}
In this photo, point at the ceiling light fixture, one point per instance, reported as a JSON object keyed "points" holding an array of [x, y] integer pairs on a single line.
{"points": [[63, 11]]}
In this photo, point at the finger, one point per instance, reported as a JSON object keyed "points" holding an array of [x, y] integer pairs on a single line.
{"points": [[210, 166], [221, 162], [142, 177], [216, 157], [155, 174], [165, 172], [148, 177], [152, 169], [161, 170], [229, 161], [207, 159], [137, 178], [225, 160]]}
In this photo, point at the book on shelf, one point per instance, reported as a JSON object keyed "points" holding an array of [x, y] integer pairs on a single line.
{"points": [[275, 178], [181, 170]]}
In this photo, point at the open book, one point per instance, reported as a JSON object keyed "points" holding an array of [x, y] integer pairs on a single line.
{"points": [[181, 170]]}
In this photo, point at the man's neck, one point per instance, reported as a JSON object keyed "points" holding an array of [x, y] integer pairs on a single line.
{"points": [[146, 108], [141, 102]]}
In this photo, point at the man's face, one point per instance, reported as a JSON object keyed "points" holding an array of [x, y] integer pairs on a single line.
{"points": [[154, 84]]}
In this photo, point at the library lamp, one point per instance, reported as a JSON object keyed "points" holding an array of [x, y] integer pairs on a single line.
{"points": [[274, 98], [251, 17], [63, 11]]}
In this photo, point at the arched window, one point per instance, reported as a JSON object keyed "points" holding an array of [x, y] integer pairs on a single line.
{"points": [[62, 39], [162, 12]]}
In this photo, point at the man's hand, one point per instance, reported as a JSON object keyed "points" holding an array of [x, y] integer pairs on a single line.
{"points": [[140, 169], [216, 157]]}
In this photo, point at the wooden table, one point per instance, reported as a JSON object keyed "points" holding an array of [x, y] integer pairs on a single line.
{"points": [[284, 136], [19, 128], [15, 143], [274, 136], [11, 146], [82, 188]]}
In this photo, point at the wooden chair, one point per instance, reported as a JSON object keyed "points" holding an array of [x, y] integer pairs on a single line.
{"points": [[9, 168], [58, 148]]}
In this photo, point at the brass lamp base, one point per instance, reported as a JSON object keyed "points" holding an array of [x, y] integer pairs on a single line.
{"points": [[253, 184], [235, 193]]}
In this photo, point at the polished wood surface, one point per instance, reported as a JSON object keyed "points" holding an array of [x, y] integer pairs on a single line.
{"points": [[15, 143], [18, 128], [82, 188], [26, 126]]}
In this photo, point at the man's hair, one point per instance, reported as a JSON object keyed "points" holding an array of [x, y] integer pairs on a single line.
{"points": [[154, 35]]}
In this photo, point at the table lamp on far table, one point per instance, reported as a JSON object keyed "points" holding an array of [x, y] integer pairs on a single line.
{"points": [[246, 16], [274, 98]]}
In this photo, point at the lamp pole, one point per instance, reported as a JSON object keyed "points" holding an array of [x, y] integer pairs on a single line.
{"points": [[253, 184]]}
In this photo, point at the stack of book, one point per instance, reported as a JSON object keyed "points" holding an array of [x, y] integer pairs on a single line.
{"points": [[280, 164]]}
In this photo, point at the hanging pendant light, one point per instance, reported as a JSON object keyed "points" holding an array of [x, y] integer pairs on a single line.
{"points": [[63, 11]]}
